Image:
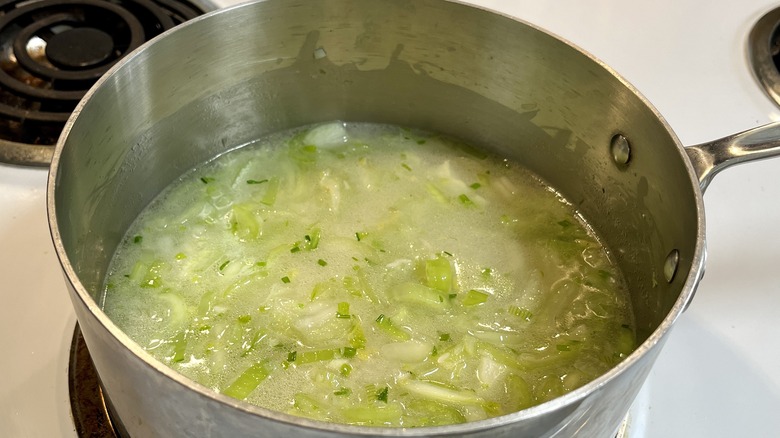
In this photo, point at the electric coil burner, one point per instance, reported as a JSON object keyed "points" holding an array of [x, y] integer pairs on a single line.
{"points": [[53, 51]]}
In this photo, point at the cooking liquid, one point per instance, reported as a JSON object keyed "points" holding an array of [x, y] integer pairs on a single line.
{"points": [[371, 275]]}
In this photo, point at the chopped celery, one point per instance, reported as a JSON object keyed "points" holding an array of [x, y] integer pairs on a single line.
{"points": [[179, 346], [356, 336], [520, 394], [244, 224], [503, 356], [313, 238], [549, 388], [439, 274], [626, 341], [407, 351], [475, 298], [359, 287], [307, 406], [425, 413], [248, 380], [387, 326], [373, 415], [317, 355], [442, 393], [271, 191], [251, 345], [148, 276], [419, 294], [343, 310]]}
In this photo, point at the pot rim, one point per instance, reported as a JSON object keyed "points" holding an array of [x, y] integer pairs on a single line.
{"points": [[656, 338]]}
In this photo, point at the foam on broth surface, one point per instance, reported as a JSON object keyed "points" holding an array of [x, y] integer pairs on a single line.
{"points": [[371, 275]]}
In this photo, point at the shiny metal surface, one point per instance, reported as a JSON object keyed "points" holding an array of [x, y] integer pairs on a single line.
{"points": [[710, 158], [235, 75]]}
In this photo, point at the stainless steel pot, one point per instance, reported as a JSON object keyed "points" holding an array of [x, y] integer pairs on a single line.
{"points": [[238, 74]]}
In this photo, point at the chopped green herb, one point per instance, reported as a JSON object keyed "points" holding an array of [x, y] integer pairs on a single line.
{"points": [[521, 312], [565, 223], [476, 185], [256, 181], [138, 239], [342, 391], [285, 279], [207, 179], [295, 249], [244, 318], [382, 395], [360, 236], [261, 264], [444, 337], [291, 356], [345, 369], [322, 262], [222, 266], [465, 200], [406, 166], [349, 352]]}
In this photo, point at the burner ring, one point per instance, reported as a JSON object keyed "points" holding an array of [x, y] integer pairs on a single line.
{"points": [[39, 87], [73, 19]]}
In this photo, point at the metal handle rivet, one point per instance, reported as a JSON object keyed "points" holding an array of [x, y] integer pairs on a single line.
{"points": [[671, 265], [621, 150]]}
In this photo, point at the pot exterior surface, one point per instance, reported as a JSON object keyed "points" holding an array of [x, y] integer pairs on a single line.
{"points": [[235, 75]]}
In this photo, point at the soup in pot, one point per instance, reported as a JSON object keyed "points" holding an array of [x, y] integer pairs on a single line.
{"points": [[371, 275]]}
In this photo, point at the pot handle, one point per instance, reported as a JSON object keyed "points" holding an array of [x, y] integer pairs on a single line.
{"points": [[710, 158]]}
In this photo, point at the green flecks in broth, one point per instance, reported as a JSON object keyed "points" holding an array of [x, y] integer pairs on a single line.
{"points": [[371, 275]]}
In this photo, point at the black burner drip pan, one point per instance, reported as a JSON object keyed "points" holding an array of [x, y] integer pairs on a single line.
{"points": [[88, 406], [53, 51]]}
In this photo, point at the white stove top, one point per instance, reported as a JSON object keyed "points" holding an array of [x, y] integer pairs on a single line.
{"points": [[718, 373]]}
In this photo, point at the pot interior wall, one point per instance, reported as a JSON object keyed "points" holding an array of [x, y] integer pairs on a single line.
{"points": [[231, 78]]}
